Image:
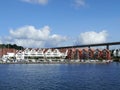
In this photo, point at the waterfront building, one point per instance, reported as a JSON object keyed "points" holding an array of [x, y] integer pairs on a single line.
{"points": [[80, 54], [97, 54], [51, 55], [85, 54], [119, 53], [106, 54], [91, 53], [37, 55], [116, 53]]}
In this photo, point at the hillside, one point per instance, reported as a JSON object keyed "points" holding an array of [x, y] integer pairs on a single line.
{"points": [[14, 46]]}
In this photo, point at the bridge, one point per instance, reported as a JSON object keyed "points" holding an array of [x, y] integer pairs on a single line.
{"points": [[91, 45]]}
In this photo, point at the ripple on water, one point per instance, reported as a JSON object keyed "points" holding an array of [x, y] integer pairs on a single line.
{"points": [[60, 76]]}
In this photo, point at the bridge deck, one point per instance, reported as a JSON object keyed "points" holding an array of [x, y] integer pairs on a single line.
{"points": [[91, 45]]}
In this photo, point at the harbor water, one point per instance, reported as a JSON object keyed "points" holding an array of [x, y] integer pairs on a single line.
{"points": [[60, 76]]}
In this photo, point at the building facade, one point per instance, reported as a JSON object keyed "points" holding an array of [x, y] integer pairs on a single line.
{"points": [[50, 55]]}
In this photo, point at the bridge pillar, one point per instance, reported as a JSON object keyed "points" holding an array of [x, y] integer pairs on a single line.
{"points": [[88, 46], [107, 47]]}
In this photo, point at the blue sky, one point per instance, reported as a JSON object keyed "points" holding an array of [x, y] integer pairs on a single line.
{"points": [[59, 22]]}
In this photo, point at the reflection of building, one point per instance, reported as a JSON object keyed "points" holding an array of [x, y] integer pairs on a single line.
{"points": [[70, 54]]}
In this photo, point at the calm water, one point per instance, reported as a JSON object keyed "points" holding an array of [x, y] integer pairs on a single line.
{"points": [[60, 76]]}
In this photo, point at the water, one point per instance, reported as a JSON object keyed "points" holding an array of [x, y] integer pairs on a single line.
{"points": [[60, 76]]}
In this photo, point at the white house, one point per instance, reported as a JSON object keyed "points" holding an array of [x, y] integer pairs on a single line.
{"points": [[9, 57], [35, 55]]}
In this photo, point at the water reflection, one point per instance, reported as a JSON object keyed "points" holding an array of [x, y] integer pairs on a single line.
{"points": [[60, 76]]}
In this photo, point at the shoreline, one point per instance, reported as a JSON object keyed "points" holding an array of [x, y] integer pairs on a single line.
{"points": [[99, 62]]}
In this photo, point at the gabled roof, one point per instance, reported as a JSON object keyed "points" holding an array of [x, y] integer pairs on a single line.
{"points": [[85, 49]]}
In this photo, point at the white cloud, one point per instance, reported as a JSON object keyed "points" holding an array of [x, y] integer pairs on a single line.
{"points": [[29, 36], [41, 2], [30, 32], [79, 3], [56, 40], [29, 43], [92, 37]]}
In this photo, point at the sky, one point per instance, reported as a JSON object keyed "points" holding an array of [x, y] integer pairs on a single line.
{"points": [[54, 23]]}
